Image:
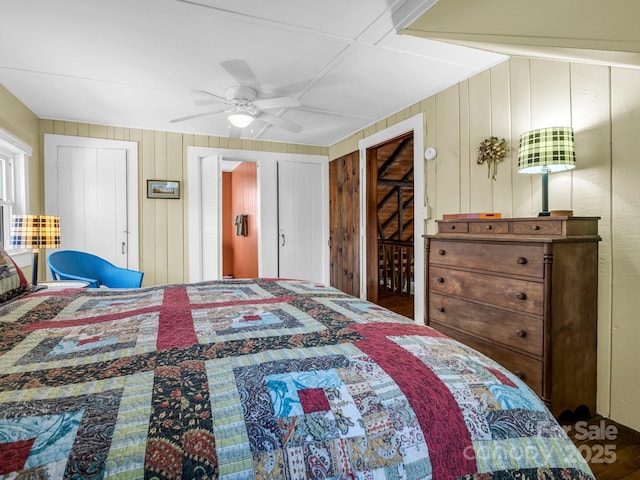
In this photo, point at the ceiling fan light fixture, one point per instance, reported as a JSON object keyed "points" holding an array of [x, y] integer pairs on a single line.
{"points": [[240, 119]]}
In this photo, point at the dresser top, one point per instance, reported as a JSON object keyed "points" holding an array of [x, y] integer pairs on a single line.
{"points": [[552, 228]]}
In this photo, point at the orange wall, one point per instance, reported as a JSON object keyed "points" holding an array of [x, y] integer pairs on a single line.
{"points": [[227, 225], [240, 196]]}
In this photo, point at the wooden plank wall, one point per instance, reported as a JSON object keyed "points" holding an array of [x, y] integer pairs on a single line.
{"points": [[602, 103]]}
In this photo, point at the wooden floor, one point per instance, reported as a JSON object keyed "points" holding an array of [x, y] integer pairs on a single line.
{"points": [[396, 303], [612, 450]]}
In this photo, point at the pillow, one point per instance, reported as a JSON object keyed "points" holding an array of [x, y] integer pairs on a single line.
{"points": [[13, 283]]}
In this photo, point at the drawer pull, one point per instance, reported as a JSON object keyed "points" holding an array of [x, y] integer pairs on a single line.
{"points": [[521, 261], [521, 333], [536, 227], [519, 374], [440, 280], [452, 227], [441, 252], [441, 309], [489, 227], [521, 296]]}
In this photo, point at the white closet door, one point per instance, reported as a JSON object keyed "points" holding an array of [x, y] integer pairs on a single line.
{"points": [[210, 220], [89, 188], [300, 220]]}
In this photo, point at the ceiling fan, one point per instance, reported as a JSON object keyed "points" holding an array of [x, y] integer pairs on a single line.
{"points": [[242, 107]]}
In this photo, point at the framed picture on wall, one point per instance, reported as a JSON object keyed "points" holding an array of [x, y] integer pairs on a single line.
{"points": [[163, 189]]}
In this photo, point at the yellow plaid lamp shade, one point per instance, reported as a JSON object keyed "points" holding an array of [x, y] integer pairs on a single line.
{"points": [[35, 231], [549, 149], [544, 151]]}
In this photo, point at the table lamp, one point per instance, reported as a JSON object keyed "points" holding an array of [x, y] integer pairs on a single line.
{"points": [[544, 151], [35, 232]]}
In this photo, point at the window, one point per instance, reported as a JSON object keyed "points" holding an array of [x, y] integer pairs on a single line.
{"points": [[14, 156]]}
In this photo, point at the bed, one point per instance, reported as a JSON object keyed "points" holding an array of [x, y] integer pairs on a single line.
{"points": [[260, 378]]}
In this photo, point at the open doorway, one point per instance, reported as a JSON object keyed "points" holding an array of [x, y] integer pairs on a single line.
{"points": [[369, 254], [239, 194], [390, 211]]}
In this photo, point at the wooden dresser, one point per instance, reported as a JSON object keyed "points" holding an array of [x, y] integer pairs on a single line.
{"points": [[523, 291]]}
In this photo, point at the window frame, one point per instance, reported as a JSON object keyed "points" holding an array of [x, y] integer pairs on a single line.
{"points": [[14, 161]]}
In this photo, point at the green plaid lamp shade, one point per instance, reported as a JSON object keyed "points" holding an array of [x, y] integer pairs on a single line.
{"points": [[35, 231], [547, 150]]}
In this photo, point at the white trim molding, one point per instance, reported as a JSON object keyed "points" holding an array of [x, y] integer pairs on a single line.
{"points": [[416, 125]]}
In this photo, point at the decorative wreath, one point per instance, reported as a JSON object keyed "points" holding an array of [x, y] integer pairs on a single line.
{"points": [[492, 151]]}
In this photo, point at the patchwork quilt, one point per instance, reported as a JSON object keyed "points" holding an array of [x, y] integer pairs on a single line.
{"points": [[257, 379]]}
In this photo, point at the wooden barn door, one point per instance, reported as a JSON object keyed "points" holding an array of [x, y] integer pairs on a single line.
{"points": [[344, 229]]}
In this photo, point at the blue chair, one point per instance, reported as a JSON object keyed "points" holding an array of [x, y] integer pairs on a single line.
{"points": [[74, 265]]}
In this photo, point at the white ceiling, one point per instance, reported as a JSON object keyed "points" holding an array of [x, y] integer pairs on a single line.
{"points": [[139, 63]]}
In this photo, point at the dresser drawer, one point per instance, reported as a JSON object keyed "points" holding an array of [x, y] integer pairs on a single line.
{"points": [[548, 227], [511, 259], [516, 331], [525, 368], [519, 295], [453, 227], [489, 227]]}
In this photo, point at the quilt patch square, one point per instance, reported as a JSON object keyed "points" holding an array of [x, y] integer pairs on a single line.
{"points": [[70, 434], [361, 311], [108, 304], [306, 398], [304, 287], [233, 291], [83, 344], [313, 400], [240, 322], [80, 430]]}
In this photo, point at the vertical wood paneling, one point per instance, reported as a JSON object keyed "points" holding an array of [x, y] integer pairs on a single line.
{"points": [[501, 128], [520, 87], [161, 209], [448, 160], [244, 200], [175, 208], [625, 359], [148, 208], [551, 106], [465, 146], [590, 87], [431, 185], [227, 224], [480, 185]]}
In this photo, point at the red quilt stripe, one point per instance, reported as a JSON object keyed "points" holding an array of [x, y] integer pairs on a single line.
{"points": [[175, 326], [127, 314], [438, 412]]}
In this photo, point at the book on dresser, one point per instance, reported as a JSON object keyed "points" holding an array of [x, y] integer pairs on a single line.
{"points": [[523, 291]]}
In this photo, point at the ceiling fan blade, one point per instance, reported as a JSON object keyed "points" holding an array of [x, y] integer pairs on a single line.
{"points": [[212, 101], [197, 115], [204, 92], [241, 73], [280, 122], [277, 102]]}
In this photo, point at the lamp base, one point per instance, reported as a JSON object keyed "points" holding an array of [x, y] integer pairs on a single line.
{"points": [[34, 268], [544, 214]]}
